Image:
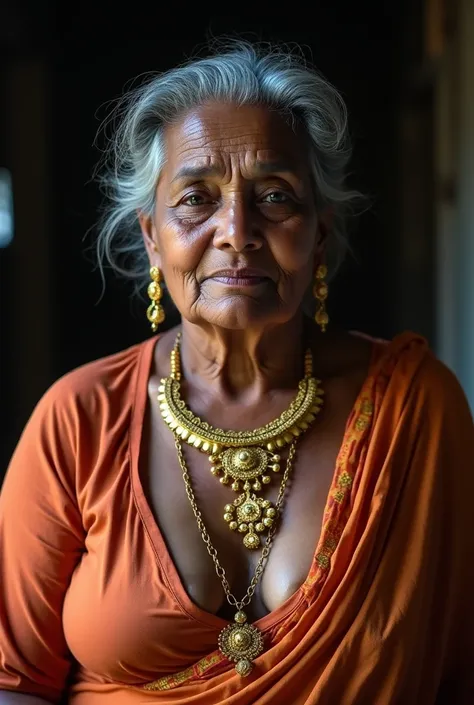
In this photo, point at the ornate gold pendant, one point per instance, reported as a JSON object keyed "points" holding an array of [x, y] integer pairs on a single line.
{"points": [[241, 643], [246, 465], [251, 516]]}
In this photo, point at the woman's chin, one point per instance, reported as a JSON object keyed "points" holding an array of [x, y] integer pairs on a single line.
{"points": [[242, 314]]}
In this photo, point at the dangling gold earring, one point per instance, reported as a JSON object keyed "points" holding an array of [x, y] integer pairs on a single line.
{"points": [[155, 311], [320, 291]]}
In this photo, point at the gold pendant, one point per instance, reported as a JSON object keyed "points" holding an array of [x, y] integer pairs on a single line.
{"points": [[250, 515], [241, 643], [246, 465]]}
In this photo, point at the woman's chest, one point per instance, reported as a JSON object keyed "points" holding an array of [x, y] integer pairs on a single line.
{"points": [[191, 507]]}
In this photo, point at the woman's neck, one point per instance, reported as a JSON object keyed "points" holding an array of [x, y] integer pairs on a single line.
{"points": [[243, 365]]}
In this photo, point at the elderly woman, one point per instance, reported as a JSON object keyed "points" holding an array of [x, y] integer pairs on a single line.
{"points": [[252, 507]]}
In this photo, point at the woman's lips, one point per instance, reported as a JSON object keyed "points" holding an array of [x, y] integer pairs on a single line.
{"points": [[240, 281], [245, 276]]}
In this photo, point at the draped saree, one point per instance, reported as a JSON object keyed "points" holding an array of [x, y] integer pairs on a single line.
{"points": [[92, 609]]}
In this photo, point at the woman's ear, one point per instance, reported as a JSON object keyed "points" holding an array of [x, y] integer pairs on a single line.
{"points": [[149, 238], [325, 223]]}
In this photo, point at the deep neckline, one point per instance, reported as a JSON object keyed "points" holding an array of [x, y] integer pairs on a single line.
{"points": [[170, 571]]}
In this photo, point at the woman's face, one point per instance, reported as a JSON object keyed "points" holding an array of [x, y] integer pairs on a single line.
{"points": [[235, 229]]}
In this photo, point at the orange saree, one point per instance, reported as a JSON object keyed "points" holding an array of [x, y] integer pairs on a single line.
{"points": [[385, 616]]}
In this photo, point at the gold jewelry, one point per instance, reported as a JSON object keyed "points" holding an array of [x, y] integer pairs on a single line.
{"points": [[245, 457], [155, 312], [240, 455], [320, 292], [239, 642]]}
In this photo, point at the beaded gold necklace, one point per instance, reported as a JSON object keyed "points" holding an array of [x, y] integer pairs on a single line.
{"points": [[245, 457]]}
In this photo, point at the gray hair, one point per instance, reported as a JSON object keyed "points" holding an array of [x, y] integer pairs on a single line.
{"points": [[241, 73]]}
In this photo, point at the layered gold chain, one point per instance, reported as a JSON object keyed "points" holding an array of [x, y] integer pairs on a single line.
{"points": [[239, 604], [239, 642], [245, 457]]}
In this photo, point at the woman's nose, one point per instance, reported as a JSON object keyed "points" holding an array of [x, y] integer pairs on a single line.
{"points": [[236, 228]]}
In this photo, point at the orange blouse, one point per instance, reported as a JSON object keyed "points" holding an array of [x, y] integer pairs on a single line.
{"points": [[92, 608]]}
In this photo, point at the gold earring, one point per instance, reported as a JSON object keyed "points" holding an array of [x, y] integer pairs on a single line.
{"points": [[155, 312], [320, 291]]}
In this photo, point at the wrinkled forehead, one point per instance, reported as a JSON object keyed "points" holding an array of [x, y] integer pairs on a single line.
{"points": [[212, 136]]}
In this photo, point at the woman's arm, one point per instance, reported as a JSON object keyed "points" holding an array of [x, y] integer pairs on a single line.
{"points": [[447, 419], [41, 542]]}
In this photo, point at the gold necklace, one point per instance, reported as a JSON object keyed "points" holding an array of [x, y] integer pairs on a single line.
{"points": [[240, 642], [243, 456]]}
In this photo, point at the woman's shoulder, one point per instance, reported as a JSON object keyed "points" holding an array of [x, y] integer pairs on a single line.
{"points": [[410, 356], [414, 375], [83, 412], [405, 368], [99, 382]]}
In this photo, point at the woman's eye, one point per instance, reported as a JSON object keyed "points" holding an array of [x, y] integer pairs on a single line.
{"points": [[277, 197], [194, 199]]}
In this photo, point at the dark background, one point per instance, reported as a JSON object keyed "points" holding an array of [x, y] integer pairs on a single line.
{"points": [[62, 65]]}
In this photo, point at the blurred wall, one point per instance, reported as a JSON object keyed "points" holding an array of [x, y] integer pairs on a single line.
{"points": [[464, 228], [451, 56]]}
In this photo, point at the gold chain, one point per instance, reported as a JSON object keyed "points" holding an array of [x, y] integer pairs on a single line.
{"points": [[248, 459], [239, 604]]}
